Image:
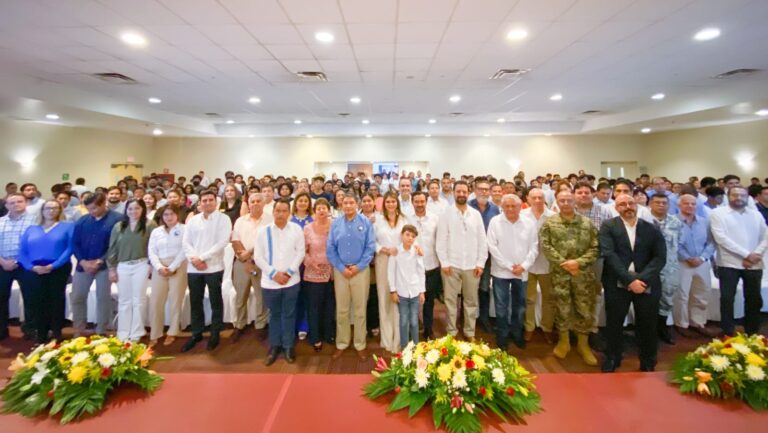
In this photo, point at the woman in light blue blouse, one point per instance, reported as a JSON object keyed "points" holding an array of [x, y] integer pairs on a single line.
{"points": [[45, 252]]}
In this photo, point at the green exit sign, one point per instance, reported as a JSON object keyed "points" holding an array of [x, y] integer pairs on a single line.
{"points": [[65, 176]]}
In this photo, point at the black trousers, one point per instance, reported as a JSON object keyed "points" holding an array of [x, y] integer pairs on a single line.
{"points": [[372, 309], [6, 281], [321, 309], [753, 300], [434, 285], [197, 283], [646, 306], [47, 298]]}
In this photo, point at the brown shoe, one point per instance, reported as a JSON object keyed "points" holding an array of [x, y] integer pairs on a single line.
{"points": [[362, 354], [528, 335], [237, 334], [704, 331], [685, 332], [548, 337], [262, 334], [337, 354]]}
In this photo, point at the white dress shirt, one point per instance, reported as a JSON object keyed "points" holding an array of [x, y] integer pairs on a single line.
{"points": [[512, 243], [738, 234], [632, 235], [406, 274], [386, 236], [438, 206], [167, 247], [268, 208], [427, 227], [541, 264], [279, 250], [246, 229], [461, 241], [206, 238], [406, 207]]}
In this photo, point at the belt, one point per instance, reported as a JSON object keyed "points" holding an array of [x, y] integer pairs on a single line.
{"points": [[134, 262]]}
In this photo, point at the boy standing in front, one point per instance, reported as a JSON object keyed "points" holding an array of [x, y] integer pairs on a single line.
{"points": [[406, 276]]}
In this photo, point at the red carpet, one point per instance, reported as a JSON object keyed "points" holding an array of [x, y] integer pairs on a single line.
{"points": [[201, 402]]}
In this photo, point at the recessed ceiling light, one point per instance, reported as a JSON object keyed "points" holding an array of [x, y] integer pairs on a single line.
{"points": [[658, 96], [297, 122], [556, 97], [157, 131], [427, 135], [763, 112], [366, 121], [254, 99], [501, 120], [133, 39], [324, 37], [154, 100], [517, 34], [548, 134], [229, 122], [646, 130], [52, 116], [455, 98], [368, 135], [355, 99], [707, 34], [251, 136], [486, 135], [432, 121], [310, 136]]}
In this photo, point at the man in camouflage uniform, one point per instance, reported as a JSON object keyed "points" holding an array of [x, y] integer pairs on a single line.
{"points": [[569, 241], [670, 227]]}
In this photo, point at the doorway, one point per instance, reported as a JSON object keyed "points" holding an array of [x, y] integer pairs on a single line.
{"points": [[119, 171], [617, 169]]}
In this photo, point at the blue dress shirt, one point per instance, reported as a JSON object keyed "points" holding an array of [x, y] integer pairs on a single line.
{"points": [[351, 242], [491, 210], [91, 238]]}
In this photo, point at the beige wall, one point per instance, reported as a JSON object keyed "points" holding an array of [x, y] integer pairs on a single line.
{"points": [[41, 153]]}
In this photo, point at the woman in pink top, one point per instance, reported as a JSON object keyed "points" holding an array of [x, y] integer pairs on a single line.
{"points": [[317, 285]]}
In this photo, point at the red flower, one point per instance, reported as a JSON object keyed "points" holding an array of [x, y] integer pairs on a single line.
{"points": [[456, 402], [397, 390], [127, 345], [726, 387], [399, 355], [470, 364], [705, 355], [727, 345], [87, 340], [482, 391], [444, 351], [57, 345], [50, 393], [510, 391], [106, 372], [381, 365]]}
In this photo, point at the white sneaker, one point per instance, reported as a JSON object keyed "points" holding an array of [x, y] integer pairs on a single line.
{"points": [[302, 335]]}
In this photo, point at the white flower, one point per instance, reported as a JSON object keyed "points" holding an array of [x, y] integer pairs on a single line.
{"points": [[464, 347], [409, 346], [432, 356], [38, 377], [95, 343], [106, 360], [79, 357], [755, 373], [422, 378], [459, 379], [407, 358], [48, 355], [719, 363], [498, 376], [741, 348]]}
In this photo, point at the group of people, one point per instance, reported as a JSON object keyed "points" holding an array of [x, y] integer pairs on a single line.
{"points": [[339, 260]]}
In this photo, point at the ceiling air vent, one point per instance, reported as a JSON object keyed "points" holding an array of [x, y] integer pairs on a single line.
{"points": [[588, 112], [114, 78], [312, 76], [213, 114], [455, 114], [342, 114], [737, 73], [509, 73]]}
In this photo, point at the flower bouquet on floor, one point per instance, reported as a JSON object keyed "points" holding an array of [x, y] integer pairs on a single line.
{"points": [[73, 378], [733, 367], [461, 381]]}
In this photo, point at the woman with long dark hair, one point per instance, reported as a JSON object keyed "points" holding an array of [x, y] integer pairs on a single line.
{"points": [[388, 229], [231, 204], [128, 263]]}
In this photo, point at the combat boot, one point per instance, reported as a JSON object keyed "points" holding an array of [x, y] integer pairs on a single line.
{"points": [[563, 345], [583, 348]]}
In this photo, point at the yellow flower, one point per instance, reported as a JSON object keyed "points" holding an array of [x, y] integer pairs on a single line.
{"points": [[703, 388], [77, 374], [145, 357], [65, 358], [703, 376], [18, 363], [728, 351], [457, 363], [79, 342], [101, 348], [479, 361], [31, 361], [444, 372], [756, 360]]}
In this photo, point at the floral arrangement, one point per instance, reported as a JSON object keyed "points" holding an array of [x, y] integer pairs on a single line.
{"points": [[74, 377], [461, 380], [733, 367]]}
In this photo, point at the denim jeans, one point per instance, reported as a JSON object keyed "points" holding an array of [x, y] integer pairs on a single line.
{"points": [[502, 289], [409, 320], [282, 315]]}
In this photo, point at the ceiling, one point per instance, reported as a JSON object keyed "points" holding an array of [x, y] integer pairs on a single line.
{"points": [[403, 58]]}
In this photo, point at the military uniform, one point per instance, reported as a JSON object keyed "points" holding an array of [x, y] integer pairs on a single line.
{"points": [[670, 227], [562, 240]]}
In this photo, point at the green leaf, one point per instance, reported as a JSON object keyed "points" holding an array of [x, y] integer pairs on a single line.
{"points": [[438, 413], [417, 402], [402, 400], [462, 422]]}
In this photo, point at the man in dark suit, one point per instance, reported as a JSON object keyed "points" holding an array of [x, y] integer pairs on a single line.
{"points": [[634, 252]]}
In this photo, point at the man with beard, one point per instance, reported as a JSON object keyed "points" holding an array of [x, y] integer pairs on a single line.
{"points": [[462, 250], [113, 200], [488, 210], [569, 241], [426, 223], [634, 252], [34, 202], [741, 238]]}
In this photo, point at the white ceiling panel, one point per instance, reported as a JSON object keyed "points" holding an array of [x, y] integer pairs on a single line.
{"points": [[251, 51], [374, 51], [594, 10], [410, 51], [372, 33], [256, 11], [86, 36], [412, 64], [319, 11], [338, 31], [482, 10], [651, 10], [178, 35], [284, 34], [386, 65], [88, 12], [301, 65], [376, 76], [420, 32], [290, 52], [86, 53], [380, 11], [536, 10], [425, 10], [344, 77], [339, 65], [207, 52], [613, 31], [203, 12], [146, 12], [332, 51], [469, 32], [233, 34]]}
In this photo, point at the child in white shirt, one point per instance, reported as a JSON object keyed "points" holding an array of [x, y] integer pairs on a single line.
{"points": [[406, 275]]}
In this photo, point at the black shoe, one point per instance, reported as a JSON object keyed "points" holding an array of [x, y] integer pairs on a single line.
{"points": [[596, 342], [272, 356], [486, 325], [3, 335], [609, 366], [29, 335], [290, 356], [427, 335], [663, 331], [190, 344], [647, 365], [213, 342], [519, 341], [237, 334]]}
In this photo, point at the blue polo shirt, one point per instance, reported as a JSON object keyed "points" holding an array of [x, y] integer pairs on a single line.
{"points": [[491, 210], [91, 238]]}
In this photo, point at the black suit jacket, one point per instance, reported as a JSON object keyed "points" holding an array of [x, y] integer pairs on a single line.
{"points": [[649, 254]]}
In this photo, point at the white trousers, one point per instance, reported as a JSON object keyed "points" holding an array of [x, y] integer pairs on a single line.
{"points": [[389, 316], [131, 299], [690, 301], [171, 290]]}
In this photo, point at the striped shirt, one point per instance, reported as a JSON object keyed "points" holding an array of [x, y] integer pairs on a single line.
{"points": [[11, 231]]}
